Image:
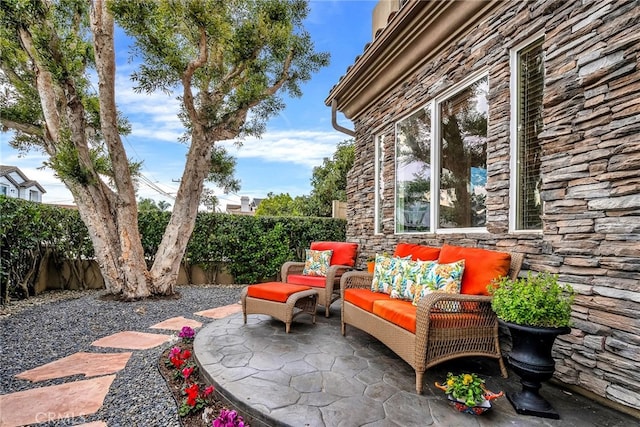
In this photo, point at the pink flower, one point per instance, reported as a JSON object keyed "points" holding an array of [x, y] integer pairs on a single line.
{"points": [[187, 333], [174, 351], [186, 372], [208, 390]]}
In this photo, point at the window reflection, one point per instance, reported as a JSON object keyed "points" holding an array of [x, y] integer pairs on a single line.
{"points": [[413, 172], [463, 157]]}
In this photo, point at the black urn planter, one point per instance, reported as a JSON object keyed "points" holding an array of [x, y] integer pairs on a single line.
{"points": [[530, 358]]}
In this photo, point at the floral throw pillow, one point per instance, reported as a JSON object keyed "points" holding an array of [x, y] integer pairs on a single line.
{"points": [[441, 278], [317, 262], [387, 271], [414, 274]]}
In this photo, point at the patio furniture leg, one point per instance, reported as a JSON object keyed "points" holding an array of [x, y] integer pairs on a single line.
{"points": [[503, 369], [419, 376]]}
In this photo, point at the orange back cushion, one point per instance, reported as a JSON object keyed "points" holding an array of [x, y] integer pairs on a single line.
{"points": [[480, 268], [417, 252], [344, 253]]}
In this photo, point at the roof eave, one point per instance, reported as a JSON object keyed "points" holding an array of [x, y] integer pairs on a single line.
{"points": [[402, 47]]}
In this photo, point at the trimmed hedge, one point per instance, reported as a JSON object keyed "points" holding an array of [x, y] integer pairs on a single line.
{"points": [[253, 248]]}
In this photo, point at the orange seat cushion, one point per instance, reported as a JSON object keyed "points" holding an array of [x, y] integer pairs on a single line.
{"points": [[274, 291], [344, 253], [453, 320], [480, 268], [303, 279], [398, 312], [364, 298], [417, 252]]}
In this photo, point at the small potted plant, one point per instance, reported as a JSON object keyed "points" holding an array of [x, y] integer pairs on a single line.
{"points": [[467, 393], [535, 309], [371, 263]]}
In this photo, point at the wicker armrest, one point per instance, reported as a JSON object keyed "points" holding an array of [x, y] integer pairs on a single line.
{"points": [[355, 279], [291, 267]]}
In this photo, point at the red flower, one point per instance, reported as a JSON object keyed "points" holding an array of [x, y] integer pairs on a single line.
{"points": [[191, 401], [208, 390], [176, 361], [192, 394], [192, 390], [185, 354]]}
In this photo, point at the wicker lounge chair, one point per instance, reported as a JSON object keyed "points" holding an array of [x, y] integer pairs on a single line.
{"points": [[328, 287]]}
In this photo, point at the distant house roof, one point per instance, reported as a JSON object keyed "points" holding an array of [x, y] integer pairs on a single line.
{"points": [[25, 182], [249, 208]]}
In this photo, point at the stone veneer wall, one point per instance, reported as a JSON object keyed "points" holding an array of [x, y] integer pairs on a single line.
{"points": [[591, 171]]}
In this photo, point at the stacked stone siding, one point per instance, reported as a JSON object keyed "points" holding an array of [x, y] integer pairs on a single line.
{"points": [[590, 167]]}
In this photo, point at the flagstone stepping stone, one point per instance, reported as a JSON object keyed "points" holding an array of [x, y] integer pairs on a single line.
{"points": [[45, 404], [220, 312], [176, 324], [93, 424], [132, 340], [89, 364]]}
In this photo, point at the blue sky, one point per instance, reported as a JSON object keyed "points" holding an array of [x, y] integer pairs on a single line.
{"points": [[281, 161]]}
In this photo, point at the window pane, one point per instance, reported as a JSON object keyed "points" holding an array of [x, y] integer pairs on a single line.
{"points": [[530, 79], [463, 157], [413, 172], [379, 146]]}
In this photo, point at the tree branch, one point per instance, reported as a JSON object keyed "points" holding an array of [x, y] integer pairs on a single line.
{"points": [[45, 86], [188, 75], [27, 128]]}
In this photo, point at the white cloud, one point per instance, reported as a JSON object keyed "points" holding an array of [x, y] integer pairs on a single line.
{"points": [[307, 148]]}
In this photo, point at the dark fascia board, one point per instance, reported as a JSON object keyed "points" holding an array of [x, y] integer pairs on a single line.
{"points": [[418, 32]]}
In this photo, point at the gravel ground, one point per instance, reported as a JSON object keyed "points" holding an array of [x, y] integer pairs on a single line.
{"points": [[57, 324]]}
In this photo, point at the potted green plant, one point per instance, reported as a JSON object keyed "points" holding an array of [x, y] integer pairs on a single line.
{"points": [[535, 309], [467, 393]]}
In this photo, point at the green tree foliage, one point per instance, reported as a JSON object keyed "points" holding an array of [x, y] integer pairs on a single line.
{"points": [[147, 205], [329, 181], [280, 205], [229, 61]]}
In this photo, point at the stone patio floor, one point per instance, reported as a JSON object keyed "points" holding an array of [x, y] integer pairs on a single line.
{"points": [[311, 377], [315, 377]]}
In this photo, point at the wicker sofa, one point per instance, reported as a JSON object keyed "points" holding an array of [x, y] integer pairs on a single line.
{"points": [[442, 326]]}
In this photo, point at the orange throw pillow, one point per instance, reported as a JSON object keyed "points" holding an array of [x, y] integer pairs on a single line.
{"points": [[480, 268], [417, 252], [344, 253]]}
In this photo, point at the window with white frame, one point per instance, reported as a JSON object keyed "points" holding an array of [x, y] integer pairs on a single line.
{"points": [[527, 73], [444, 145], [4, 190], [33, 196], [413, 172], [379, 180]]}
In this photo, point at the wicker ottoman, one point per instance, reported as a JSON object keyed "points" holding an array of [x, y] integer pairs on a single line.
{"points": [[280, 300]]}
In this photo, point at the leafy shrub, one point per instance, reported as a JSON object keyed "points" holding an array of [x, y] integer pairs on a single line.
{"points": [[253, 248], [534, 300]]}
